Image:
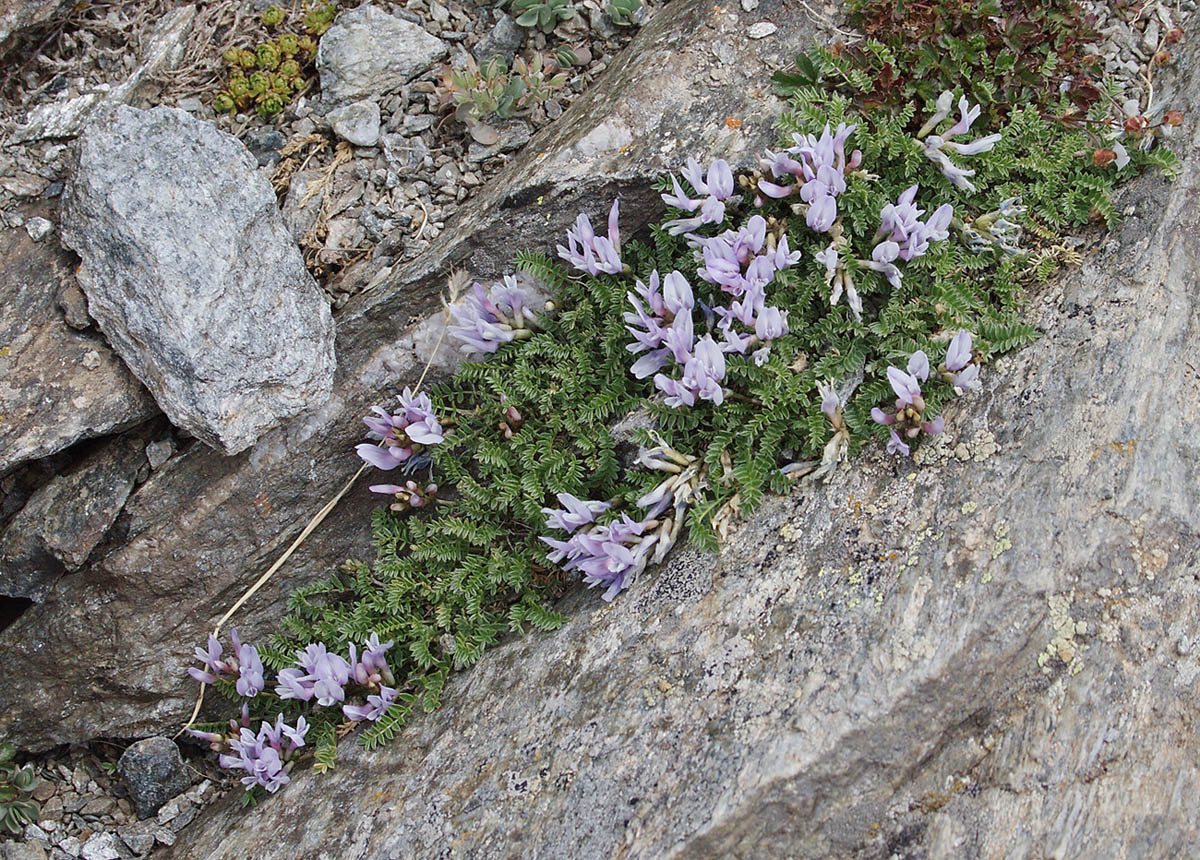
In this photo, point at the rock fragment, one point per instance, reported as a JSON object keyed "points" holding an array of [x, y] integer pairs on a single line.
{"points": [[368, 52], [192, 276], [154, 772]]}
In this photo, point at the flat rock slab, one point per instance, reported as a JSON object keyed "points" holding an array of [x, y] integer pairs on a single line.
{"points": [[368, 52], [215, 523], [193, 277], [988, 653], [57, 385]]}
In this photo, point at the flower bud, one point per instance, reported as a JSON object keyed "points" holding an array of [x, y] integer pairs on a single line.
{"points": [[1173, 117], [1173, 36], [1135, 124], [1161, 58], [1102, 157]]}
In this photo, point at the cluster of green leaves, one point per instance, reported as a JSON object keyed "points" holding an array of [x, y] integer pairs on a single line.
{"points": [[1000, 53], [479, 92], [16, 782], [543, 14], [269, 74]]}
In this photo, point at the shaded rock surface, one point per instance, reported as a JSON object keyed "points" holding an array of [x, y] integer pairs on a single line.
{"points": [[985, 654], [192, 276], [64, 520], [215, 523], [368, 52], [57, 385], [18, 15]]}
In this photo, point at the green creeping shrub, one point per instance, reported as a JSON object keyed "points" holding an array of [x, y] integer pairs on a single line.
{"points": [[16, 808], [267, 77], [623, 13], [543, 14], [479, 92], [471, 551]]}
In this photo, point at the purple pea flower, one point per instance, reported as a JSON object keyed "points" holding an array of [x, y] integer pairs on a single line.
{"points": [[820, 171], [909, 419], [483, 322], [264, 755], [375, 708], [936, 147], [591, 253], [717, 189], [250, 668], [963, 375], [211, 658], [574, 513], [414, 424], [244, 666]]}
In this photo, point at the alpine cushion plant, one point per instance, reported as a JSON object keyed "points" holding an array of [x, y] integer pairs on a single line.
{"points": [[723, 327]]}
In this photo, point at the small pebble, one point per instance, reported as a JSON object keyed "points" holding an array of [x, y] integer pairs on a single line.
{"points": [[38, 228], [761, 30]]}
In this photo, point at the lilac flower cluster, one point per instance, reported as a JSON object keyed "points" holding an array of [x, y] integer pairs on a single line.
{"points": [[717, 189], [819, 166], [591, 253], [265, 756], [903, 236], [243, 666], [483, 322], [937, 147], [738, 263], [909, 418], [959, 369], [403, 434], [323, 676], [615, 553], [610, 555], [661, 324], [408, 496]]}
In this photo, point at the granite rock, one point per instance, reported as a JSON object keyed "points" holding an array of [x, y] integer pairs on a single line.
{"points": [[193, 278], [368, 52], [66, 518], [153, 772]]}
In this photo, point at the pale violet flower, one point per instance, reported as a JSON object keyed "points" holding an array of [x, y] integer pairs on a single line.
{"points": [[819, 168], [591, 253], [908, 421], [959, 369], [717, 188], [483, 322], [403, 433], [938, 147], [574, 513], [375, 707]]}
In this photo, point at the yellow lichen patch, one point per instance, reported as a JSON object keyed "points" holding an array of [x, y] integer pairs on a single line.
{"points": [[1150, 561], [1064, 646], [969, 508], [1002, 544]]}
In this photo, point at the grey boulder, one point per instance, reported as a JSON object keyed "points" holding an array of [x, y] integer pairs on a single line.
{"points": [[153, 772], [193, 277], [368, 52], [357, 123]]}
